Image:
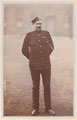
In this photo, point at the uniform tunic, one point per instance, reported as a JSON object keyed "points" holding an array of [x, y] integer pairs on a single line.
{"points": [[37, 47]]}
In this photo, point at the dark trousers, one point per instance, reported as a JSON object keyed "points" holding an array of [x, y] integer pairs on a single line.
{"points": [[46, 74]]}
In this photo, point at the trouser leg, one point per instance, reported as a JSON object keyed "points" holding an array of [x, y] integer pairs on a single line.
{"points": [[35, 74], [46, 76]]}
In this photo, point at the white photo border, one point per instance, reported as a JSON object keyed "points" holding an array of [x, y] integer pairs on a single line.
{"points": [[2, 61]]}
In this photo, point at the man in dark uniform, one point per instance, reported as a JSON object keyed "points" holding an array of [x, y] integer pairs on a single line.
{"points": [[37, 47]]}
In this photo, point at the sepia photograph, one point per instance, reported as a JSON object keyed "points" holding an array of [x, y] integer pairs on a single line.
{"points": [[38, 60]]}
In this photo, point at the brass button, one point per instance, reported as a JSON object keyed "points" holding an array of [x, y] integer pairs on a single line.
{"points": [[41, 52], [42, 58]]}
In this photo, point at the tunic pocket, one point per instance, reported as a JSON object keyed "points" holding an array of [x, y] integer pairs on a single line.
{"points": [[45, 40]]}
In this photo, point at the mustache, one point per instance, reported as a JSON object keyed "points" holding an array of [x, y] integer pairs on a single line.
{"points": [[39, 27]]}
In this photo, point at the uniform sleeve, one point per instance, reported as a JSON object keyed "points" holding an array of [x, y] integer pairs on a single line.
{"points": [[25, 46], [51, 45]]}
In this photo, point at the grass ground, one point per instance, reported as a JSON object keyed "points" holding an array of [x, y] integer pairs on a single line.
{"points": [[18, 83]]}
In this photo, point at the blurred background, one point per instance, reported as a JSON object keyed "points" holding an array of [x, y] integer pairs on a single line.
{"points": [[58, 20]]}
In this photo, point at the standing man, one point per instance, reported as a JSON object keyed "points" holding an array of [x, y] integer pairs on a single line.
{"points": [[37, 47]]}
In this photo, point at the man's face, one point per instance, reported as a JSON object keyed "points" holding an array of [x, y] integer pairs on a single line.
{"points": [[38, 25]]}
